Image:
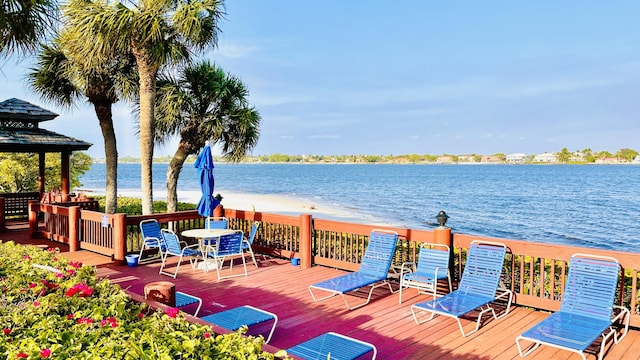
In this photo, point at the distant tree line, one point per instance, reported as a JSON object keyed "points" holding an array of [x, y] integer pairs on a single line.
{"points": [[564, 156]]}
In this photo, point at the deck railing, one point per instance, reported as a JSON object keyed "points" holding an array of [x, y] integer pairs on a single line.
{"points": [[535, 272]]}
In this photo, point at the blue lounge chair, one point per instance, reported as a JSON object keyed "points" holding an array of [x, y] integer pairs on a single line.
{"points": [[151, 240], [173, 246], [431, 267], [234, 319], [477, 290], [374, 269], [333, 346], [586, 311], [184, 299]]}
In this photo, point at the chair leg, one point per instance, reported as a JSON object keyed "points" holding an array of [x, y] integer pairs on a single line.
{"points": [[253, 258]]}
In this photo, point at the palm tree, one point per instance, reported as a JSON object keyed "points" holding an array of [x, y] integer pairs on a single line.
{"points": [[157, 33], [204, 104], [63, 78], [25, 23]]}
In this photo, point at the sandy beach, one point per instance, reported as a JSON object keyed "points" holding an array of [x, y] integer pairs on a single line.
{"points": [[278, 204]]}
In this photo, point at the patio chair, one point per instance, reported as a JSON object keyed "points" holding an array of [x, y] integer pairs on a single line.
{"points": [[331, 345], [432, 266], [151, 240], [234, 319], [247, 242], [227, 246], [374, 270], [214, 222], [478, 288], [587, 310], [173, 246]]}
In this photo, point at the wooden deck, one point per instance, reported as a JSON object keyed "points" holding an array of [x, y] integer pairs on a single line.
{"points": [[281, 288]]}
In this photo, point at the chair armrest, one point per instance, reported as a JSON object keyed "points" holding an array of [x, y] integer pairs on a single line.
{"points": [[406, 265], [624, 311]]}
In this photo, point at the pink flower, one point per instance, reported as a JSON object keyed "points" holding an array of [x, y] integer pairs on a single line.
{"points": [[42, 292], [207, 335], [59, 275], [85, 320], [6, 331], [75, 264], [22, 355], [55, 259], [70, 272], [70, 316], [140, 315], [45, 353], [172, 312], [32, 285], [36, 303], [82, 289], [26, 257]]}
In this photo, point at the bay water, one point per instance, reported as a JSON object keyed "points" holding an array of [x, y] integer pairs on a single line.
{"points": [[594, 206]]}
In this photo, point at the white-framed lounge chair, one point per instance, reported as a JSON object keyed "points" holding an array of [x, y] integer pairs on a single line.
{"points": [[247, 242], [151, 240], [332, 345], [184, 299], [587, 310], [174, 247], [478, 288], [247, 315], [374, 270], [432, 266], [226, 247]]}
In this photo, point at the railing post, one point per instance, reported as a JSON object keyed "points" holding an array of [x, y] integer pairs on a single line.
{"points": [[74, 228], [305, 241], [3, 224], [442, 235], [33, 206], [119, 238]]}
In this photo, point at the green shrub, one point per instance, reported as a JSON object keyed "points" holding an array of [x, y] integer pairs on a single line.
{"points": [[55, 309], [133, 206]]}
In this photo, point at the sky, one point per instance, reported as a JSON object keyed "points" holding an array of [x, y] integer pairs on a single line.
{"points": [[336, 77]]}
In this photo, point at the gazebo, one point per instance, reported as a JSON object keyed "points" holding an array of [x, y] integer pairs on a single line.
{"points": [[20, 132]]}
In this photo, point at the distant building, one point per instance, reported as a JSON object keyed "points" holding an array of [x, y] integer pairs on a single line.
{"points": [[545, 158], [516, 158], [466, 158], [609, 160], [446, 159], [492, 159], [636, 160]]}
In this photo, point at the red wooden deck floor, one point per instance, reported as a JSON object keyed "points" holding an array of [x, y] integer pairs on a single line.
{"points": [[281, 288]]}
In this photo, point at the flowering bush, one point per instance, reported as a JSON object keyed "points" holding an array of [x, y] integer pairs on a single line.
{"points": [[53, 309]]}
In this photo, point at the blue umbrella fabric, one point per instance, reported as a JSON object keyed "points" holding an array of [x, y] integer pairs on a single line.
{"points": [[204, 163]]}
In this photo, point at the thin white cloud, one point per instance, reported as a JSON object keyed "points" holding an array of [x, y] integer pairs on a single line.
{"points": [[324, 136], [235, 51]]}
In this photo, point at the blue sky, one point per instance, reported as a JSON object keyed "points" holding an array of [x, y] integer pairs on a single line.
{"points": [[426, 77]]}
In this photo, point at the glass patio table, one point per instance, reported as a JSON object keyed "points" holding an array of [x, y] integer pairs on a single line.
{"points": [[206, 237]]}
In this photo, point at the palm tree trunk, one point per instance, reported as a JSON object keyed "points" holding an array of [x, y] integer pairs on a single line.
{"points": [[173, 173], [103, 111], [148, 74]]}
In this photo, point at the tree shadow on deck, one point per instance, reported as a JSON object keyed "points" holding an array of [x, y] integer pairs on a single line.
{"points": [[278, 287]]}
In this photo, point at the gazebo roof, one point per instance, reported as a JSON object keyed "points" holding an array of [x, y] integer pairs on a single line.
{"points": [[20, 131]]}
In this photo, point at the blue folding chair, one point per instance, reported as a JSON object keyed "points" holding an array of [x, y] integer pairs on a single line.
{"points": [[247, 242], [333, 346], [216, 223], [151, 240], [173, 246], [234, 319], [477, 290], [226, 247], [374, 270], [431, 267], [586, 311]]}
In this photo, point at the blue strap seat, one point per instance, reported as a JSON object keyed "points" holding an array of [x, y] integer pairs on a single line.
{"points": [[332, 346], [234, 319]]}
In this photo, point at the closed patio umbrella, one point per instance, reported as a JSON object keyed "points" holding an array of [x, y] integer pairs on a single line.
{"points": [[204, 163]]}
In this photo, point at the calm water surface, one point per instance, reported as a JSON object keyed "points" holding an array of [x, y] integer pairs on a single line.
{"points": [[582, 205]]}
